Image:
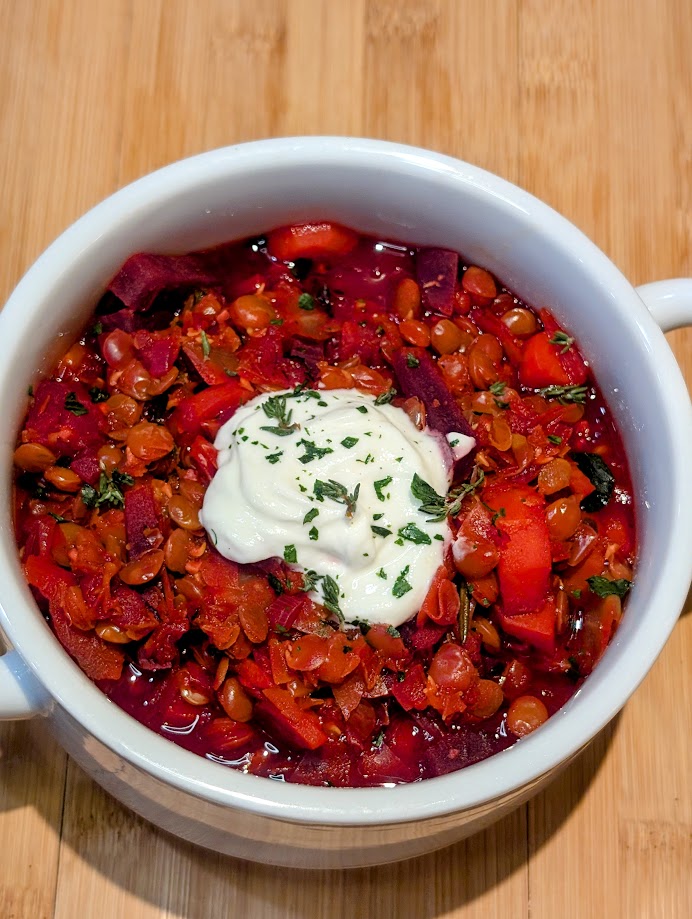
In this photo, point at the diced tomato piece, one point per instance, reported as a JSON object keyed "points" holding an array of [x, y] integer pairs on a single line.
{"points": [[525, 557], [536, 629], [64, 419], [410, 692], [311, 240]]}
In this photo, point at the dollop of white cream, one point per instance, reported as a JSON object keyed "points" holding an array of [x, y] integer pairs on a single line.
{"points": [[323, 480]]}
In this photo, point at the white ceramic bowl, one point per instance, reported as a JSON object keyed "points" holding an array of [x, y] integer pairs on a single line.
{"points": [[423, 198]]}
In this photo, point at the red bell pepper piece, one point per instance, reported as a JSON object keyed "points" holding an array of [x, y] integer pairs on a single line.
{"points": [[300, 726], [540, 363], [536, 629], [64, 419], [311, 240], [217, 403], [525, 557]]}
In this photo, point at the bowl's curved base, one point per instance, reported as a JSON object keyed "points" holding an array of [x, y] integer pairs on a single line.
{"points": [[259, 838]]}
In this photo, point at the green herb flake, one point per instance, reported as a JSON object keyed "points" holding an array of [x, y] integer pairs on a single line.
{"points": [[565, 394], [306, 302], [109, 490], [385, 397], [554, 439], [275, 584], [310, 579], [413, 534], [576, 593], [98, 395], [392, 632], [58, 518], [290, 554], [349, 442], [97, 328], [379, 485], [381, 531], [330, 596], [563, 340], [314, 534], [412, 361], [276, 321], [603, 587], [438, 507], [73, 405], [274, 457], [275, 408], [206, 347], [382, 574], [362, 409], [337, 492], [378, 740], [312, 451], [401, 585], [311, 514]]}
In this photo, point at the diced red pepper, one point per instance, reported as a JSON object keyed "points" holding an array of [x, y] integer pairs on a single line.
{"points": [[64, 419], [214, 404], [536, 628], [311, 240], [300, 726], [525, 556], [540, 363], [410, 692]]}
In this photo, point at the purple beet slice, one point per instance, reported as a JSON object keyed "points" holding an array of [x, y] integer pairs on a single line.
{"points": [[418, 376], [436, 270], [144, 275]]}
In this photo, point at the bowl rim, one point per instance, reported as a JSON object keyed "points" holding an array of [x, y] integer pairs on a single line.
{"points": [[499, 776]]}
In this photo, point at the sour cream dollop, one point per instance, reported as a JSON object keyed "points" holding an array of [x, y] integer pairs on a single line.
{"points": [[323, 480]]}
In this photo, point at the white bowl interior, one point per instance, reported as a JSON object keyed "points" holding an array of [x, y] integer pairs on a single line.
{"points": [[412, 196]]}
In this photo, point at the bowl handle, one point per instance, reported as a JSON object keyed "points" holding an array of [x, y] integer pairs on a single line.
{"points": [[21, 695], [669, 302]]}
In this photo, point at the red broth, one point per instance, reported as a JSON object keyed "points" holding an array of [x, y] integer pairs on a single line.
{"points": [[235, 662]]}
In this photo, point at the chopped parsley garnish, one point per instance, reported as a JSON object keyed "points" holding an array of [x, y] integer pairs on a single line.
{"points": [[411, 360], [206, 347], [306, 302], [439, 507], [337, 492], [564, 340], [362, 409], [565, 394], [72, 404], [382, 574], [58, 518], [392, 632], [385, 397], [311, 514], [603, 587], [109, 490], [274, 457], [98, 395], [290, 554], [349, 442], [379, 485], [276, 321], [275, 408], [314, 533], [554, 439], [414, 535], [401, 585], [378, 740], [312, 451], [97, 327], [381, 531]]}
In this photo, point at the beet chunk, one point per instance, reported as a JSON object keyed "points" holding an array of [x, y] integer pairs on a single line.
{"points": [[144, 275], [437, 275]]}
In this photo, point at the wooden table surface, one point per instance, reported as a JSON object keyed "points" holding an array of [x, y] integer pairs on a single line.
{"points": [[588, 105]]}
